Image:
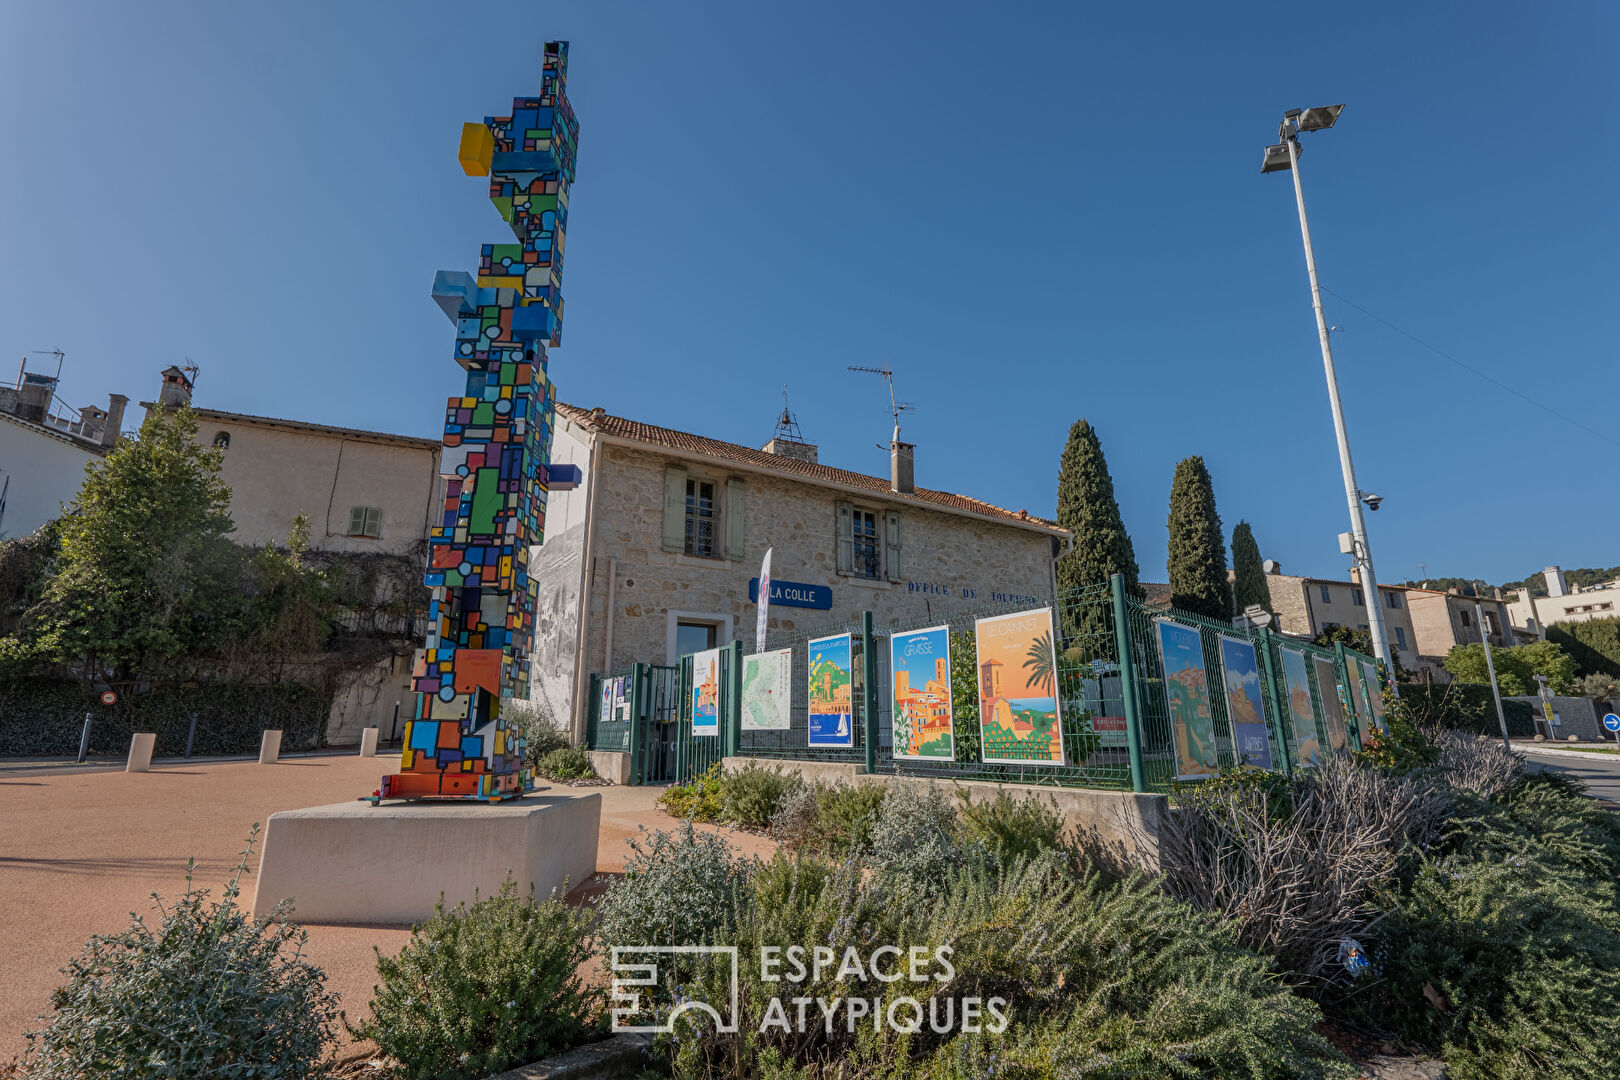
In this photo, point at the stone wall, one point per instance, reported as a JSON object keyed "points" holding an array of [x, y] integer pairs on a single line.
{"points": [[1577, 716]]}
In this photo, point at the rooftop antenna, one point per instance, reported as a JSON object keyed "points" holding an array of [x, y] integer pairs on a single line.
{"points": [[191, 369], [787, 425], [895, 407], [52, 352]]}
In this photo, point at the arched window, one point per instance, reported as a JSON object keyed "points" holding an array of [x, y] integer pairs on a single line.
{"points": [[222, 440]]}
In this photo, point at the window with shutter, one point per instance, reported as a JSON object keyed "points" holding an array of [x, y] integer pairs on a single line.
{"points": [[365, 521], [846, 538], [891, 555], [674, 508]]}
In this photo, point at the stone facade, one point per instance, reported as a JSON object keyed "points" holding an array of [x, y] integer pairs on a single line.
{"points": [[1306, 607], [1444, 620], [636, 592]]}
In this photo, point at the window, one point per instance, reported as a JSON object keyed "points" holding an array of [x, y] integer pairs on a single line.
{"points": [[691, 637], [1400, 637], [1327, 597], [868, 561], [222, 440], [701, 518], [1490, 622], [1392, 599], [1357, 599], [365, 521], [1463, 615]]}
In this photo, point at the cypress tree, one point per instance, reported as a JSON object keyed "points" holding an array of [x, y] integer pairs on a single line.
{"points": [[1197, 563], [1250, 584], [1087, 508]]}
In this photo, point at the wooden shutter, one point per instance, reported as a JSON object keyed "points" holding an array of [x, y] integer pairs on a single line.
{"points": [[846, 538], [357, 521], [675, 508], [736, 491], [374, 521], [891, 554]]}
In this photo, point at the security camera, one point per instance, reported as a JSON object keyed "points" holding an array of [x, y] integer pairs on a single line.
{"points": [[1372, 501]]}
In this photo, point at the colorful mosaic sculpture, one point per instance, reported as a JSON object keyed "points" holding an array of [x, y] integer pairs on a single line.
{"points": [[497, 442]]}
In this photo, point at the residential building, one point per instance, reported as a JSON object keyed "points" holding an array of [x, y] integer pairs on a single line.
{"points": [[44, 448], [1442, 620], [657, 550], [1307, 607], [1531, 615]]}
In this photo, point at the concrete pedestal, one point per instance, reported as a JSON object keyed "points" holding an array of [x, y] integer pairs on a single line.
{"points": [[368, 742], [270, 747], [140, 751], [357, 863]]}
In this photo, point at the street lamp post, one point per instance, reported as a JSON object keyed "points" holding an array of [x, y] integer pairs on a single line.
{"points": [[1283, 156]]}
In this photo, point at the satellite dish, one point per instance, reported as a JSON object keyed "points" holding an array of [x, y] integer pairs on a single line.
{"points": [[1271, 566]]}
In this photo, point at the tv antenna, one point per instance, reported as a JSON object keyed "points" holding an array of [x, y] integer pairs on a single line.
{"points": [[52, 352], [191, 369], [895, 407]]}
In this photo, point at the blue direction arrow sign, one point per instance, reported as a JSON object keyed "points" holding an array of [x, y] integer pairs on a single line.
{"points": [[1612, 722]]}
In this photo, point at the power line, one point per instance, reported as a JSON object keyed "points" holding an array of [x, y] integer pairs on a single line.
{"points": [[1474, 370]]}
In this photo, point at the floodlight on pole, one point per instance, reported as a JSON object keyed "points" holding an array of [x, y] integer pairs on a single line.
{"points": [[1285, 157]]}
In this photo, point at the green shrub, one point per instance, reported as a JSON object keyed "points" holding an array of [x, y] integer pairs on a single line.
{"points": [[1594, 645], [1013, 828], [481, 989], [566, 763], [209, 992], [1467, 707], [844, 817], [914, 839], [751, 795], [540, 735], [701, 798], [678, 888]]}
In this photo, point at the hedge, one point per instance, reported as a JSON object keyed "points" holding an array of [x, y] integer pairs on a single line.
{"points": [[1594, 645], [1468, 707], [40, 717]]}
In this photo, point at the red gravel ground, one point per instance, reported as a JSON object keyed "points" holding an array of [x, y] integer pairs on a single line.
{"points": [[80, 850]]}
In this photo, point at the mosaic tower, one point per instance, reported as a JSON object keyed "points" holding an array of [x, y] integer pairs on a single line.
{"points": [[495, 463]]}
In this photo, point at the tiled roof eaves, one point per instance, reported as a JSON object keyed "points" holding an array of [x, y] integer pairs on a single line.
{"points": [[82, 444], [616, 427]]}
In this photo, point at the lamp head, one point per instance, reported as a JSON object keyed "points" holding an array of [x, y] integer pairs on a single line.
{"points": [[1276, 158], [1320, 118]]}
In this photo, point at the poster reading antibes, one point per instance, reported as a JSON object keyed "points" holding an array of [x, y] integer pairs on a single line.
{"points": [[1297, 678], [831, 675], [1018, 705], [706, 692], [921, 705], [1186, 697], [1327, 687], [1244, 705], [767, 691]]}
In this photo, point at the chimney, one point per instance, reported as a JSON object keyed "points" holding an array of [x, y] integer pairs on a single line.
{"points": [[1556, 586], [798, 451], [176, 390], [900, 467], [115, 419]]}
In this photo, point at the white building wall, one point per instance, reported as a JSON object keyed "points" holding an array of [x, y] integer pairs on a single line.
{"points": [[44, 472]]}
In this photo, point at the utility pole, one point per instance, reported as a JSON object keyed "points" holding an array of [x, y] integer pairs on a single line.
{"points": [[1490, 669]]}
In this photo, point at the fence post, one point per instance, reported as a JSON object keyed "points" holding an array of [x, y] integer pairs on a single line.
{"points": [[1127, 683], [731, 744], [638, 696], [869, 706], [1342, 673], [1284, 718]]}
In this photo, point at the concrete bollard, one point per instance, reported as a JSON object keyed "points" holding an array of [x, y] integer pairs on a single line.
{"points": [[270, 747], [368, 742], [140, 751]]}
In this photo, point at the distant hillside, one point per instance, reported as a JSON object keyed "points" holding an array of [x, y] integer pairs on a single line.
{"points": [[1537, 584]]}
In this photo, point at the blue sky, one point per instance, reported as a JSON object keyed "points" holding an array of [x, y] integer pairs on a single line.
{"points": [[1031, 212]]}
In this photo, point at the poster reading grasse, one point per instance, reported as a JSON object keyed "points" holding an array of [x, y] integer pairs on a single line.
{"points": [[706, 692], [1186, 697], [1019, 721], [831, 678], [1245, 707], [1297, 679], [921, 705]]}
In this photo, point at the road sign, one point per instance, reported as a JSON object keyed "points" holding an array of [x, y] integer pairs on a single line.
{"points": [[108, 697], [1612, 722]]}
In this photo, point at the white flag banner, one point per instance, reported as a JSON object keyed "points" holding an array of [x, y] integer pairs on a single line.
{"points": [[764, 601]]}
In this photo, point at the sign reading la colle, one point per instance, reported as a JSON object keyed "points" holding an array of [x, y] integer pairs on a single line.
{"points": [[802, 594]]}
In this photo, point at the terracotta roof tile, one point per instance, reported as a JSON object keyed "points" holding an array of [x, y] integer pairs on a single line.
{"points": [[633, 430]]}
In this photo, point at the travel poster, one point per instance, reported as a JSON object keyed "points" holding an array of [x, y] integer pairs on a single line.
{"points": [[1302, 714], [1019, 722], [1375, 693], [920, 666], [706, 692], [1358, 695], [1245, 706], [1327, 686], [1186, 697], [832, 721], [767, 691]]}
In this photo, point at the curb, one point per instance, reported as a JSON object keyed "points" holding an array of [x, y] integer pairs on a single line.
{"points": [[1558, 751], [622, 1055]]}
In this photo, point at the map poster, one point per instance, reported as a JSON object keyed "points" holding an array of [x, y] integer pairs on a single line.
{"points": [[1245, 706], [1375, 693], [832, 720], [1327, 689], [1186, 698], [1019, 723], [706, 692], [767, 691], [1302, 715], [920, 663]]}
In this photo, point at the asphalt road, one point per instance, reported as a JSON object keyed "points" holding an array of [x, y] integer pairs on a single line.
{"points": [[1602, 773]]}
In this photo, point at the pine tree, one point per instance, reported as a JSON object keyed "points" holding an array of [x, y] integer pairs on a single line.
{"points": [[1250, 585], [1087, 508], [1197, 563]]}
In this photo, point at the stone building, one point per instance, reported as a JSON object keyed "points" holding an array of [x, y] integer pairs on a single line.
{"points": [[1531, 615], [1442, 620], [654, 554], [1306, 607]]}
